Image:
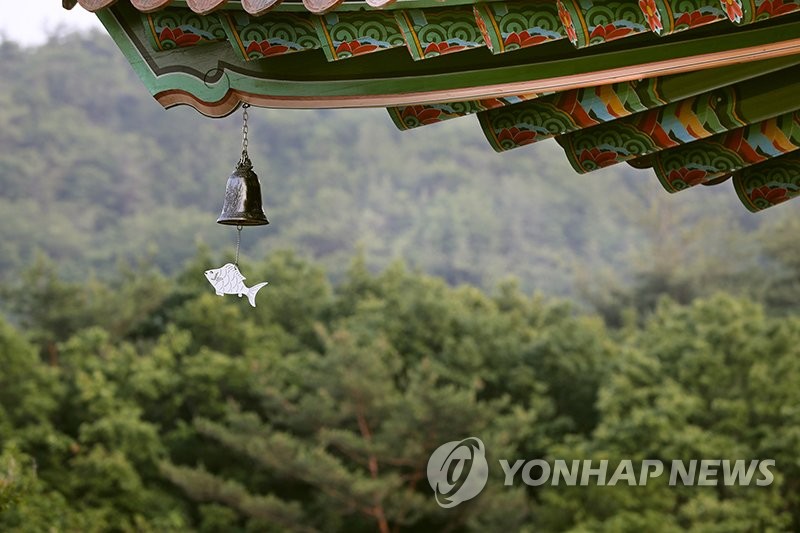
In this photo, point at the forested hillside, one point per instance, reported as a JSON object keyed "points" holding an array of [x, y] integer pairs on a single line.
{"points": [[152, 405], [93, 172]]}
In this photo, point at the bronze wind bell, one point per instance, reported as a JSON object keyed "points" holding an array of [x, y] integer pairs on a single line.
{"points": [[242, 207]]}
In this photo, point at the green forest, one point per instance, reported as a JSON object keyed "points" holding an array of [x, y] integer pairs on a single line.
{"points": [[422, 289]]}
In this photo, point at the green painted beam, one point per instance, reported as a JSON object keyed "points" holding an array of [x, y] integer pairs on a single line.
{"points": [[297, 80]]}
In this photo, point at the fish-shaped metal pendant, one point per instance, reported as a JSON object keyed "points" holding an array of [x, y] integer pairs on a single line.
{"points": [[228, 280]]}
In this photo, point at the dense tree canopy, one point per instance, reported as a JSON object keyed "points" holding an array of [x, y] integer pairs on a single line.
{"points": [[172, 409]]}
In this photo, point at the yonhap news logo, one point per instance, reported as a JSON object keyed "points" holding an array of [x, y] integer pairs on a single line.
{"points": [[458, 471]]}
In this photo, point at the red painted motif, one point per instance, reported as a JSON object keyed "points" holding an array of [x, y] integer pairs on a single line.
{"points": [[775, 8], [733, 8], [517, 136], [354, 48], [770, 195], [178, 36], [423, 114], [609, 32], [685, 176], [482, 27], [266, 49], [737, 143], [523, 39], [598, 157], [438, 49], [652, 15], [566, 20], [694, 19]]}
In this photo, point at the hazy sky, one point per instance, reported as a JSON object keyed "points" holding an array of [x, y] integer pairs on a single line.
{"points": [[30, 21]]}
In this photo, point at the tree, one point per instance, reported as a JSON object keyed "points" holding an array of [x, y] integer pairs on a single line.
{"points": [[712, 380]]}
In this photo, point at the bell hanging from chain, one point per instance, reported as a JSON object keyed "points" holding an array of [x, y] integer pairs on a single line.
{"points": [[242, 206]]}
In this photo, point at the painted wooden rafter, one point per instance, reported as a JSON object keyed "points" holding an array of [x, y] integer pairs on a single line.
{"points": [[661, 16], [657, 98], [770, 183]]}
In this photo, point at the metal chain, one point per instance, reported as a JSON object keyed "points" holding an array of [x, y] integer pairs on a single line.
{"points": [[244, 130], [244, 158], [238, 242]]}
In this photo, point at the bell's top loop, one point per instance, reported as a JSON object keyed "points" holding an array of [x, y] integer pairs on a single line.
{"points": [[244, 164]]}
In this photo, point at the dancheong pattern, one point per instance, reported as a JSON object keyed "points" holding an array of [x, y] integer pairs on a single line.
{"points": [[351, 34], [669, 16], [413, 116], [589, 22], [770, 183], [689, 129], [717, 156], [435, 32], [568, 111], [508, 26], [500, 26], [282, 33], [658, 129], [177, 28], [749, 11]]}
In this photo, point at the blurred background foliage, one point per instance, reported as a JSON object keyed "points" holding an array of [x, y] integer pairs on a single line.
{"points": [[94, 172], [550, 314]]}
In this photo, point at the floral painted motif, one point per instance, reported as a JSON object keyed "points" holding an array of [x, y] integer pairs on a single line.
{"points": [[515, 24], [766, 196], [769, 183], [418, 115], [652, 15], [441, 48], [566, 20], [351, 34], [516, 137], [522, 39], [734, 151], [256, 38], [436, 32], [609, 32], [775, 8], [733, 8], [259, 49], [171, 28], [482, 27], [749, 11], [412, 116], [354, 48], [595, 22], [665, 17], [684, 178], [694, 19], [561, 113], [176, 37], [661, 128], [595, 158]]}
